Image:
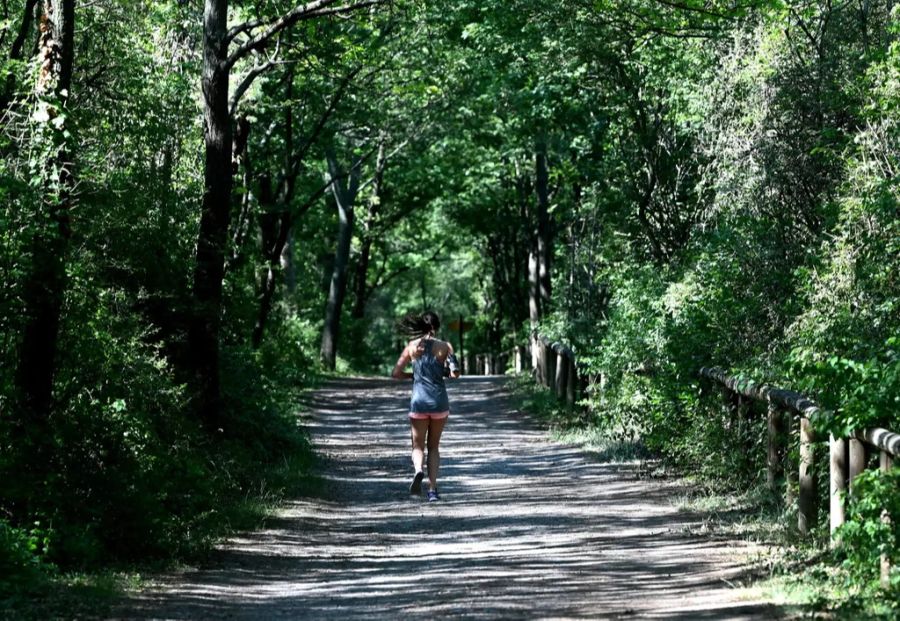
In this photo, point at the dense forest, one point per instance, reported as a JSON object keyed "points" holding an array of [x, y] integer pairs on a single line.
{"points": [[204, 204]]}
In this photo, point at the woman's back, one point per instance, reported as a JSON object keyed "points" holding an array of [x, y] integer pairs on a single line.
{"points": [[429, 393]]}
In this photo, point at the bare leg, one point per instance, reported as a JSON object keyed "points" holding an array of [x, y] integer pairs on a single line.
{"points": [[418, 430], [435, 429]]}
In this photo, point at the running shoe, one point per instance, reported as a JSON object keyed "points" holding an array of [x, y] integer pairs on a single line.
{"points": [[433, 495], [416, 486]]}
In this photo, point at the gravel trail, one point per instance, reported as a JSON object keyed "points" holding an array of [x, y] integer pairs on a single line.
{"points": [[527, 528]]}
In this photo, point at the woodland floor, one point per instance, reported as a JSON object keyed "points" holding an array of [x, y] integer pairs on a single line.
{"points": [[527, 528]]}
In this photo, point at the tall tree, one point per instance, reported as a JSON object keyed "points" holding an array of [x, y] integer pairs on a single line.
{"points": [[279, 215], [360, 280], [543, 245], [45, 286], [209, 269], [345, 187]]}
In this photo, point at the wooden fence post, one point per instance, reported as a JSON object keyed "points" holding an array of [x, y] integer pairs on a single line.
{"points": [[540, 367], [857, 458], [571, 392], [549, 359], [838, 483], [791, 482], [520, 358], [806, 516], [774, 468], [740, 413], [886, 462], [730, 398], [847, 456], [561, 371]]}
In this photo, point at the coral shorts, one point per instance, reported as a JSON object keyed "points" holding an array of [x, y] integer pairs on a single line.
{"points": [[429, 415]]}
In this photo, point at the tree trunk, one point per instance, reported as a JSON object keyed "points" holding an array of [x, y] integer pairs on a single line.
{"points": [[44, 287], [534, 300], [521, 256], [344, 197], [534, 304], [574, 298], [209, 269], [544, 225], [269, 281], [241, 229], [278, 246], [361, 283], [289, 265], [275, 239]]}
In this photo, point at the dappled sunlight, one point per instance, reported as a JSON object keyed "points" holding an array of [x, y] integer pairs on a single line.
{"points": [[526, 527]]}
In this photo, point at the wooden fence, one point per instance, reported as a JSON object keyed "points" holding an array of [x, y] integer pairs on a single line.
{"points": [[847, 456], [553, 364]]}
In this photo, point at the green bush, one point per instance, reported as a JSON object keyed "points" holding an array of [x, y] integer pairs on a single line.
{"points": [[872, 531], [130, 474], [23, 565]]}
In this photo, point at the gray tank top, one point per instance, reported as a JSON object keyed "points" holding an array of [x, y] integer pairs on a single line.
{"points": [[429, 393]]}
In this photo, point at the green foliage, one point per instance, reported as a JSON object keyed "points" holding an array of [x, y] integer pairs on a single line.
{"points": [[859, 393], [542, 403], [134, 479], [845, 343], [23, 564], [872, 533]]}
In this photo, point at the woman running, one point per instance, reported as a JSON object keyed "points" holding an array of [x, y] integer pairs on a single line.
{"points": [[429, 406]]}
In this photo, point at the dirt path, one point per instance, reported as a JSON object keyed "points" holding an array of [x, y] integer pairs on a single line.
{"points": [[527, 528]]}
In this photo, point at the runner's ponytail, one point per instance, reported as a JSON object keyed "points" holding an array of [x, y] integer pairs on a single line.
{"points": [[414, 325]]}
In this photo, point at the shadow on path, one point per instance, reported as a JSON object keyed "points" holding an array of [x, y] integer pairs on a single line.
{"points": [[527, 528]]}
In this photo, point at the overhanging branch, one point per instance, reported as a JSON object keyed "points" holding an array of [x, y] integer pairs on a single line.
{"points": [[310, 10], [248, 80]]}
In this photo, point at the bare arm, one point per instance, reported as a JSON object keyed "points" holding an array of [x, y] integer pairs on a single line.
{"points": [[400, 371], [454, 364]]}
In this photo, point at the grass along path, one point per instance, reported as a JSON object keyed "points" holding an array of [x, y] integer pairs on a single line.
{"points": [[527, 528]]}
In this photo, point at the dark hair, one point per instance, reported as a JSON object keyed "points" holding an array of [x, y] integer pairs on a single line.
{"points": [[419, 325]]}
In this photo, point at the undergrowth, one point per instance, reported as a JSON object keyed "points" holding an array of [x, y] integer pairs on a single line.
{"points": [[155, 490]]}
